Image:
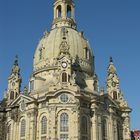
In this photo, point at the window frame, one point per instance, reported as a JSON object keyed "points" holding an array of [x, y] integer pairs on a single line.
{"points": [[84, 131], [12, 95], [43, 127], [64, 76], [64, 126], [22, 129], [59, 11], [32, 85], [115, 95]]}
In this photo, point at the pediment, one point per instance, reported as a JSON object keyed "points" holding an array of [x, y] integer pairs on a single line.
{"points": [[64, 58], [110, 101], [21, 97]]}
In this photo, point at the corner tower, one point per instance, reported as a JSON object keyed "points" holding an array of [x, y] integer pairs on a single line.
{"points": [[113, 83], [14, 82]]}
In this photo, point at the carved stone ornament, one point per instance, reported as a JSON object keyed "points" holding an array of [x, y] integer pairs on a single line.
{"points": [[14, 115], [22, 106], [64, 47]]}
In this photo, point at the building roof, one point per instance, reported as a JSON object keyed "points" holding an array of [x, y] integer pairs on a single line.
{"points": [[136, 132]]}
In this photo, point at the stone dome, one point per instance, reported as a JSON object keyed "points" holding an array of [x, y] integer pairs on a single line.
{"points": [[63, 34], [48, 49]]}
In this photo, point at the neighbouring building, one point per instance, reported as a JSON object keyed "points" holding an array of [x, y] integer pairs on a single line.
{"points": [[63, 101], [135, 135]]}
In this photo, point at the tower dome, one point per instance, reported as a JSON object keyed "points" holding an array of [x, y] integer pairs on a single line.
{"points": [[63, 26], [49, 48], [63, 37]]}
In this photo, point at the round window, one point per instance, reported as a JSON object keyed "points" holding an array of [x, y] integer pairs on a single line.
{"points": [[64, 98]]}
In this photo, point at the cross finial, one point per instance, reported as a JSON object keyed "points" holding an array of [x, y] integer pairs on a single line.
{"points": [[111, 59], [16, 60]]}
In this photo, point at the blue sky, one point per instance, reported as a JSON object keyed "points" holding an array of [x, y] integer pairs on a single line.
{"points": [[111, 26]]}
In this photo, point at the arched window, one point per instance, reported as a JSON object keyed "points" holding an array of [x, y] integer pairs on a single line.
{"points": [[64, 77], [9, 132], [104, 129], [44, 125], [69, 11], [12, 95], [95, 85], [64, 122], [22, 128], [86, 53], [59, 11], [84, 125], [64, 128], [115, 95]]}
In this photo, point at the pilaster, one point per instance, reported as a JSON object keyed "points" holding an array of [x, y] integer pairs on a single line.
{"points": [[99, 127], [126, 128], [76, 120], [115, 130], [110, 126], [52, 123], [32, 117], [94, 120], [15, 131]]}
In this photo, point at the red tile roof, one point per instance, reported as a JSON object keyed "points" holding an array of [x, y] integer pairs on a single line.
{"points": [[136, 132]]}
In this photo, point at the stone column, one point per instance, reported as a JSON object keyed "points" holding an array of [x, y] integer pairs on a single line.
{"points": [[12, 130], [107, 126], [126, 128], [99, 127], [75, 121], [3, 130], [52, 123], [94, 120], [110, 126], [111, 131], [64, 12], [73, 13], [15, 128], [55, 13], [115, 130], [32, 115]]}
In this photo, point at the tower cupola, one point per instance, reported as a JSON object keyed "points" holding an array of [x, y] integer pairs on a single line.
{"points": [[64, 14]]}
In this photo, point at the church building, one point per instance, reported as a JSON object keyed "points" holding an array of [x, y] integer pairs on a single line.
{"points": [[63, 100]]}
